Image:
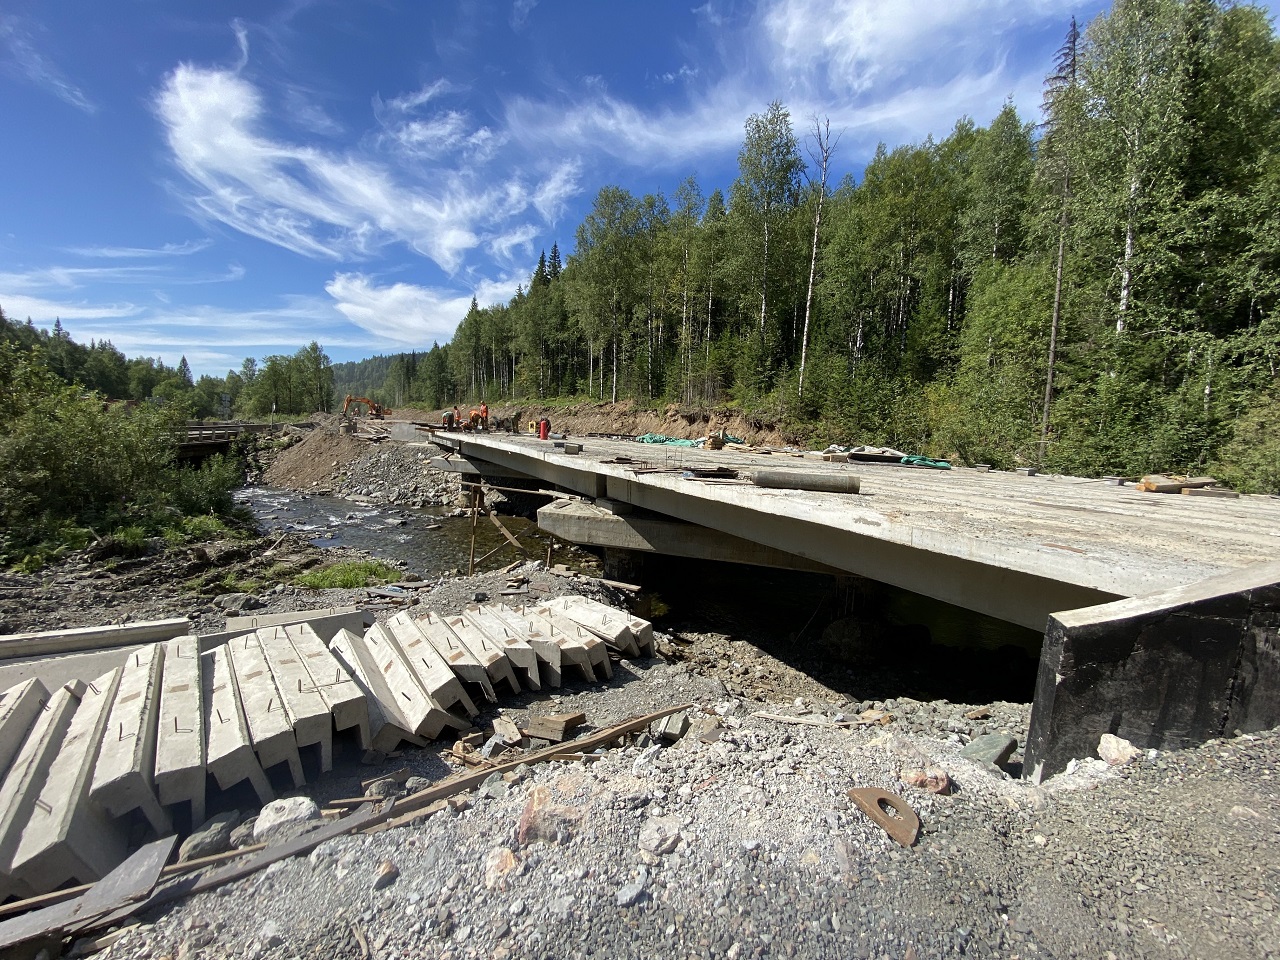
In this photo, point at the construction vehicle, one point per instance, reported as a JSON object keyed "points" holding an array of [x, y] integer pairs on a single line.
{"points": [[376, 410]]}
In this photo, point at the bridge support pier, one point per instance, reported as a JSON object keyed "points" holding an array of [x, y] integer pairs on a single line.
{"points": [[624, 565]]}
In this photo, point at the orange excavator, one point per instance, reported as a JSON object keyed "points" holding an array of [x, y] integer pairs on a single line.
{"points": [[376, 410]]}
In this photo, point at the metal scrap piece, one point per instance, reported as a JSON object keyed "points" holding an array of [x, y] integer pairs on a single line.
{"points": [[889, 811]]}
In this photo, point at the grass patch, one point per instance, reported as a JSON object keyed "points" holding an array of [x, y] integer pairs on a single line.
{"points": [[348, 575]]}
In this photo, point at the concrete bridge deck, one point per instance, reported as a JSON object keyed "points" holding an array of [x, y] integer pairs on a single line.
{"points": [[1014, 547]]}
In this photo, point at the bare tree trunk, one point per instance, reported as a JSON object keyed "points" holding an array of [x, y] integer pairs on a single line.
{"points": [[822, 134]]}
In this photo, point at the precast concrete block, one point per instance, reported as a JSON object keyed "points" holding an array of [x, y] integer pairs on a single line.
{"points": [[425, 716], [180, 738], [229, 753], [431, 669], [488, 651], [508, 639], [344, 698], [580, 646], [387, 723], [26, 776], [548, 655], [608, 624], [269, 726], [308, 713], [123, 778], [68, 838], [465, 664], [19, 707]]}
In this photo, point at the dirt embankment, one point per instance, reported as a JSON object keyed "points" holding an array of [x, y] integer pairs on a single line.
{"points": [[627, 419]]}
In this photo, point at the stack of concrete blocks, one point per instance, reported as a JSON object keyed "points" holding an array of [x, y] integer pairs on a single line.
{"points": [[264, 709], [229, 754], [81, 765], [485, 649], [630, 636], [579, 646], [510, 641]]}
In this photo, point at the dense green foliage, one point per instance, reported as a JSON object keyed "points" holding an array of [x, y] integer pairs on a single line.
{"points": [[78, 470], [1136, 229]]}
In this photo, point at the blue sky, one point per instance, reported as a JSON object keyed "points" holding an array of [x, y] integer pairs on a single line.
{"points": [[222, 180]]}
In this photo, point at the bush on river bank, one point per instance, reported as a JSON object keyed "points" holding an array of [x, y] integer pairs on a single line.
{"points": [[80, 471]]}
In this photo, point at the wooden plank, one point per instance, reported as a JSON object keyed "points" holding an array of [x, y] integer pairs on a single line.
{"points": [[554, 727], [465, 781]]}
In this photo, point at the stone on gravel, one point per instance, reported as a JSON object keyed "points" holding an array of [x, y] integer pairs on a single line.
{"points": [[1116, 750], [415, 784], [242, 836], [234, 603], [213, 836], [541, 820], [629, 893], [498, 863], [660, 835], [278, 814], [386, 787], [932, 779], [387, 874], [994, 748]]}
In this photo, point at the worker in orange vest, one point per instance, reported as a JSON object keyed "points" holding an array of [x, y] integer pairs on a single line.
{"points": [[484, 415]]}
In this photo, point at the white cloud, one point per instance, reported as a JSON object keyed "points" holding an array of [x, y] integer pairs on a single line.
{"points": [[183, 249], [520, 11], [408, 102], [624, 131], [323, 203], [518, 238], [852, 45], [408, 314], [43, 312], [38, 69]]}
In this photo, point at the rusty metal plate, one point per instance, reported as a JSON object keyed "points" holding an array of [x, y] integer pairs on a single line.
{"points": [[898, 820]]}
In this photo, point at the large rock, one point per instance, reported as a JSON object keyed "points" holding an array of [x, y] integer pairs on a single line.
{"points": [[279, 815], [660, 835], [994, 748], [214, 836], [238, 602]]}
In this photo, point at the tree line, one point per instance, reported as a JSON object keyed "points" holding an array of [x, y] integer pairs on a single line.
{"points": [[1095, 293], [298, 383]]}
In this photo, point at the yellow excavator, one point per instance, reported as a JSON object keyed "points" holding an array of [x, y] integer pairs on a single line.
{"points": [[376, 410]]}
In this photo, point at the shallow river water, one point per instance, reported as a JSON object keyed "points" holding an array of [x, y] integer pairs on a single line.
{"points": [[429, 540]]}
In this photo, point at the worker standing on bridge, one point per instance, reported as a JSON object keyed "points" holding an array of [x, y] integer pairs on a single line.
{"points": [[457, 418], [484, 415]]}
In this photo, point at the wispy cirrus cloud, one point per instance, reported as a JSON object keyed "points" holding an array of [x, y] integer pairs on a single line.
{"points": [[328, 203], [184, 249], [26, 61], [409, 314]]}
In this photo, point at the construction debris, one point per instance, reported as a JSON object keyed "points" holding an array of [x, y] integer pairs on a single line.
{"points": [[889, 812]]}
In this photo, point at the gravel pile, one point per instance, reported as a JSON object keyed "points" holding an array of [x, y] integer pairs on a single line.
{"points": [[396, 474]]}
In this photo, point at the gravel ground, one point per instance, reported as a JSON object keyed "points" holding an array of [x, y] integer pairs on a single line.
{"points": [[747, 846]]}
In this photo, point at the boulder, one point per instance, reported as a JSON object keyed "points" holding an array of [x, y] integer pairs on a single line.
{"points": [[213, 836], [278, 815], [994, 748]]}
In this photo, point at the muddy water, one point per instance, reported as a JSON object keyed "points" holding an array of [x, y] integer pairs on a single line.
{"points": [[428, 540]]}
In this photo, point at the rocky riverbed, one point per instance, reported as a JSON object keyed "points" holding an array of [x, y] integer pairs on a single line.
{"points": [[736, 840]]}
